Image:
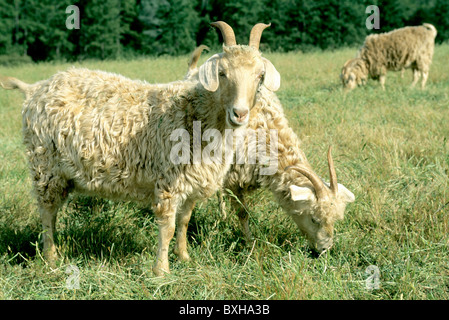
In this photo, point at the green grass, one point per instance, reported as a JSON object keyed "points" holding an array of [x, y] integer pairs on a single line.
{"points": [[390, 148]]}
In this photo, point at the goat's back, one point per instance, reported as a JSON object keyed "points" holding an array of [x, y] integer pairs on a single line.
{"points": [[399, 48], [102, 131]]}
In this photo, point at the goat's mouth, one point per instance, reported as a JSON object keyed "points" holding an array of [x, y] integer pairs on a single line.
{"points": [[322, 246]]}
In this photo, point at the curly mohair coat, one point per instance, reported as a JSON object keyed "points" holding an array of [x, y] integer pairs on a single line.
{"points": [[409, 47], [103, 134]]}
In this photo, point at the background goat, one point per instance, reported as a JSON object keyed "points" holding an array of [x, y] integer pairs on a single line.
{"points": [[409, 47]]}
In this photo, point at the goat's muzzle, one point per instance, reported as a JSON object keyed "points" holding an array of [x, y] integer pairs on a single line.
{"points": [[238, 117]]}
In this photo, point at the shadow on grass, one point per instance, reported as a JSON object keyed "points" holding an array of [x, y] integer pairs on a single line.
{"points": [[87, 227], [93, 228], [99, 228], [18, 243]]}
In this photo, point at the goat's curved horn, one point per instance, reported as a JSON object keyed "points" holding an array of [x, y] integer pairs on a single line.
{"points": [[332, 173], [256, 34], [226, 32], [196, 54], [321, 189]]}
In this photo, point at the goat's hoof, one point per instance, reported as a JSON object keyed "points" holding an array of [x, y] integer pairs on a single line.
{"points": [[159, 270], [50, 257], [184, 256]]}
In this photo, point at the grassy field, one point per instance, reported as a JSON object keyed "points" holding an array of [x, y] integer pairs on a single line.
{"points": [[391, 150]]}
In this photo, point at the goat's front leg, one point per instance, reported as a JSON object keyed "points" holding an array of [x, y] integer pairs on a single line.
{"points": [[51, 192], [183, 218], [165, 212]]}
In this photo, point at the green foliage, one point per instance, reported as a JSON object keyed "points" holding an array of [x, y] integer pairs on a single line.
{"points": [[126, 28], [168, 26], [6, 25], [441, 16], [101, 35]]}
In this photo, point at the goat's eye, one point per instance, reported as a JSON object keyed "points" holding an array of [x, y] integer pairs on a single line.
{"points": [[222, 74], [315, 221]]}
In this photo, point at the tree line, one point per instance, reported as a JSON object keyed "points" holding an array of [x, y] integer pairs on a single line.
{"points": [[111, 29]]}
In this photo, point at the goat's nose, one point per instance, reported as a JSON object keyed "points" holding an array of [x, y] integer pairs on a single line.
{"points": [[240, 114]]}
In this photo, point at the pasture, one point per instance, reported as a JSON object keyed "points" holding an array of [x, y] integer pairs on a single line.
{"points": [[390, 149]]}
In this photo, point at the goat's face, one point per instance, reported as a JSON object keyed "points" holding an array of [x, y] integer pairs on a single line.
{"points": [[317, 206], [235, 76], [316, 217], [348, 80], [353, 73]]}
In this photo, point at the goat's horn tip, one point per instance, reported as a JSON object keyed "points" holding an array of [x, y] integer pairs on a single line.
{"points": [[217, 23]]}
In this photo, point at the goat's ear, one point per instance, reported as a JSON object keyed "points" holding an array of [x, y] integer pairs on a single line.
{"points": [[208, 73], [272, 79], [302, 193], [345, 194]]}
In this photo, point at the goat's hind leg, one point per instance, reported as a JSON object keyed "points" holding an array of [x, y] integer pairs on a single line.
{"points": [[51, 194], [425, 75], [416, 75], [48, 219]]}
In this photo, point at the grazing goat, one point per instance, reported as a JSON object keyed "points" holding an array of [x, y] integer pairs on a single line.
{"points": [[102, 134], [313, 205], [409, 47]]}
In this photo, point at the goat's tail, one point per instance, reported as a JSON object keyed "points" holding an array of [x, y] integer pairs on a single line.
{"points": [[10, 83], [431, 28]]}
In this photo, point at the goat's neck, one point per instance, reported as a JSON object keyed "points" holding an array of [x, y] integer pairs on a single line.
{"points": [[289, 153], [208, 111], [280, 181]]}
